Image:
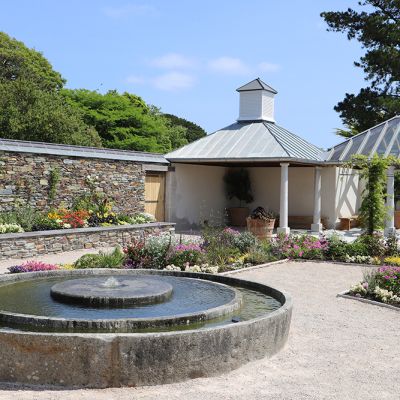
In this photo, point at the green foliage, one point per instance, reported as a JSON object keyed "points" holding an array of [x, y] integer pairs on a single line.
{"points": [[374, 244], [43, 223], [260, 253], [238, 184], [24, 216], [182, 255], [377, 28], [54, 179], [29, 113], [193, 131], [124, 121], [115, 259], [373, 171], [18, 62]]}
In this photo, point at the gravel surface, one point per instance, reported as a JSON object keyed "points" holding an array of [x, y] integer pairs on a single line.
{"points": [[337, 349]]}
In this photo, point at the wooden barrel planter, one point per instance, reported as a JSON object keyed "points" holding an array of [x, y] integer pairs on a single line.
{"points": [[261, 228]]}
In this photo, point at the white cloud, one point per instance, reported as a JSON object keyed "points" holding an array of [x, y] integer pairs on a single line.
{"points": [[128, 10], [229, 65], [173, 81], [268, 67], [173, 61], [139, 80]]}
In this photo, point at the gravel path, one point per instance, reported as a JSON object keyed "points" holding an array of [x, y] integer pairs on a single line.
{"points": [[337, 349]]}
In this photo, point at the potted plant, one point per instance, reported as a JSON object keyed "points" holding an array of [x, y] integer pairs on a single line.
{"points": [[261, 222], [238, 185]]}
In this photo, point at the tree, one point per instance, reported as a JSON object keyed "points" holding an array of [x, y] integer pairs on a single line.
{"points": [[125, 121], [194, 131], [377, 28], [29, 113], [18, 62]]}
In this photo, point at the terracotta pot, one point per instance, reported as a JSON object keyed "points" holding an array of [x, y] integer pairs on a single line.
{"points": [[261, 228], [397, 219], [238, 215]]}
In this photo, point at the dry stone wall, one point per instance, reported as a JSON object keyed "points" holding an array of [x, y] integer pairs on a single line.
{"points": [[32, 244], [26, 178]]}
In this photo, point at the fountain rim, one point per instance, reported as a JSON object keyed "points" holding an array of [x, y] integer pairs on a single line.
{"points": [[284, 297]]}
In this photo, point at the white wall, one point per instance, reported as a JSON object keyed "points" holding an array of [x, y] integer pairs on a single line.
{"points": [[266, 187], [348, 192], [195, 193]]}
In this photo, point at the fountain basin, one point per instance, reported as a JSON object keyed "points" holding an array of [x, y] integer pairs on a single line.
{"points": [[93, 359]]}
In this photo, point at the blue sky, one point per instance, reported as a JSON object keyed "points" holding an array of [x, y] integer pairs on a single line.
{"points": [[188, 57]]}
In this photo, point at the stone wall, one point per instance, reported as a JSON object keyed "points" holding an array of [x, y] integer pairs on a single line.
{"points": [[25, 177], [32, 244]]}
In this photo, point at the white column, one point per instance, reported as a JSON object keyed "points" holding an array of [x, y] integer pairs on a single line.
{"points": [[284, 199], [389, 228], [316, 225]]}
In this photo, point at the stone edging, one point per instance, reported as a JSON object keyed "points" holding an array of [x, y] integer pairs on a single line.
{"points": [[270, 264], [345, 295], [57, 232], [338, 263]]}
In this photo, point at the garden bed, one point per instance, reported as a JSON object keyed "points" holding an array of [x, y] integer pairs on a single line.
{"points": [[347, 295], [31, 244]]}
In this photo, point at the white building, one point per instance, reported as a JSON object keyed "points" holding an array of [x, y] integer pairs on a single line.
{"points": [[289, 175]]}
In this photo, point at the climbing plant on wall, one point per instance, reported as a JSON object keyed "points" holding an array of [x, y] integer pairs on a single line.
{"points": [[374, 172]]}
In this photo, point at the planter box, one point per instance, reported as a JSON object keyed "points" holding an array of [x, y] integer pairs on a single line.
{"points": [[33, 244]]}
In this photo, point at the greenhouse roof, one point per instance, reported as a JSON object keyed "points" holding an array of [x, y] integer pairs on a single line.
{"points": [[382, 139], [22, 146]]}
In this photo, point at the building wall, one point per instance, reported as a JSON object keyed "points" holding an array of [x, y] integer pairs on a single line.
{"points": [[348, 192], [25, 177], [196, 193]]}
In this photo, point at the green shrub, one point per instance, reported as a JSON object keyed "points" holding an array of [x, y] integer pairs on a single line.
{"points": [[260, 253], [337, 248], [25, 216], [43, 223], [115, 259], [182, 255], [244, 241], [374, 245]]}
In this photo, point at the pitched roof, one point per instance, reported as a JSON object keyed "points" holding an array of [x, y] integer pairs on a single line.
{"points": [[256, 84], [248, 141], [382, 139], [22, 146]]}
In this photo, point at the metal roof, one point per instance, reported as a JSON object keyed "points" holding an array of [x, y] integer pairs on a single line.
{"points": [[382, 139], [22, 146], [256, 84], [248, 141]]}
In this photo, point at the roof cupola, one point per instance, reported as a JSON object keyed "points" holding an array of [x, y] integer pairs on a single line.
{"points": [[256, 101]]}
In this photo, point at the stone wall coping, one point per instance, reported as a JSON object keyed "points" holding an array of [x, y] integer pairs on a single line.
{"points": [[58, 232]]}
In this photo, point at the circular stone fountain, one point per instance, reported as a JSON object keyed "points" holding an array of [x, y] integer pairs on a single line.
{"points": [[100, 328], [111, 291]]}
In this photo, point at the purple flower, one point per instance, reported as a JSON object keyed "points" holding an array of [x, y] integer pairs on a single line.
{"points": [[32, 266]]}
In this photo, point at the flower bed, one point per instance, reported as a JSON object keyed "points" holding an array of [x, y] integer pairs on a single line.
{"points": [[382, 285]]}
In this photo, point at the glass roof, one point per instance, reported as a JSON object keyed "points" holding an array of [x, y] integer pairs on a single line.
{"points": [[383, 139]]}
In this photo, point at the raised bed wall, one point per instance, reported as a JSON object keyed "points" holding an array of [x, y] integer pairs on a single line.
{"points": [[32, 244]]}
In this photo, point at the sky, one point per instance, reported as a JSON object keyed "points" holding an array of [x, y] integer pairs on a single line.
{"points": [[188, 57]]}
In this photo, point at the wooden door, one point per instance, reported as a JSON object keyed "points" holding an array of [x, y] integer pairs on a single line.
{"points": [[155, 195]]}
